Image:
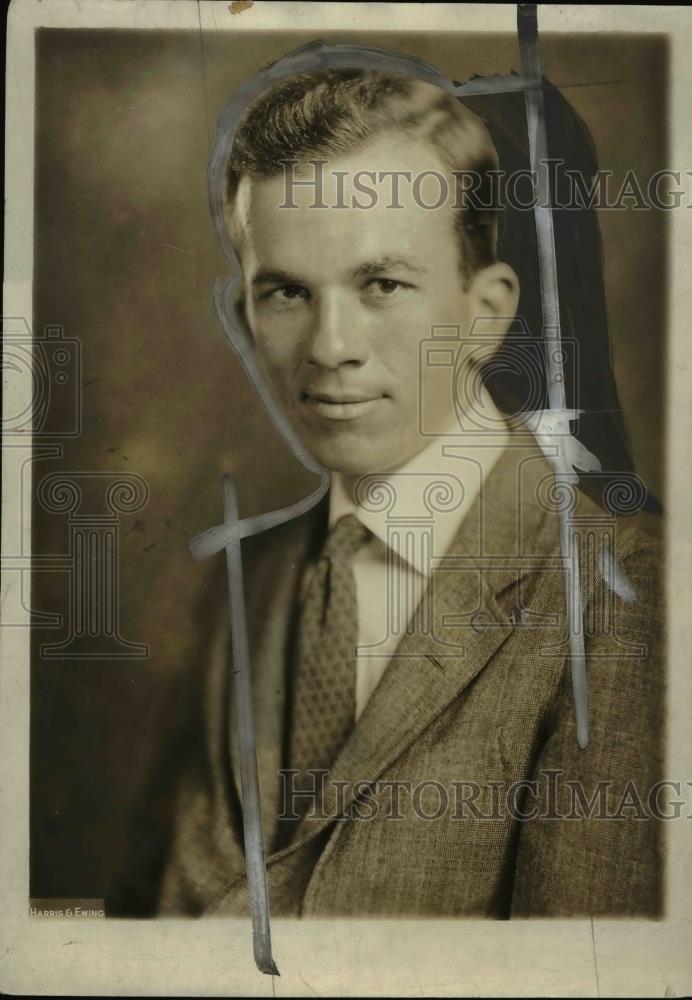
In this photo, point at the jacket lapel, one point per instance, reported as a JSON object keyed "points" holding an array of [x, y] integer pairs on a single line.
{"points": [[460, 624]]}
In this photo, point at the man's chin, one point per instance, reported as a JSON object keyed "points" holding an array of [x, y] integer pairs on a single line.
{"points": [[362, 460], [359, 448], [350, 460], [352, 466], [362, 454]]}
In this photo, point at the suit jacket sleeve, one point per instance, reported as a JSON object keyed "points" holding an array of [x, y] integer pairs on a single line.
{"points": [[595, 846]]}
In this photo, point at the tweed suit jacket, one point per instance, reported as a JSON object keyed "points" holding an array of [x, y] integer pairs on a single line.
{"points": [[498, 812]]}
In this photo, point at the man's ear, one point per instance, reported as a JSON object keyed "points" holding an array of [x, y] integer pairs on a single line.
{"points": [[494, 291]]}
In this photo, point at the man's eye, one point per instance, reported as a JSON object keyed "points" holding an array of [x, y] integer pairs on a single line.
{"points": [[384, 287], [288, 293]]}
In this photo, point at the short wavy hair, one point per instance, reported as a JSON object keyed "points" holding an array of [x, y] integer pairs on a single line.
{"points": [[336, 111]]}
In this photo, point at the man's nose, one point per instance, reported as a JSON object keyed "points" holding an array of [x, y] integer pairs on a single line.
{"points": [[337, 337]]}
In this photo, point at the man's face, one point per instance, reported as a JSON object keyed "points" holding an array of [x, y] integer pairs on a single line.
{"points": [[338, 301]]}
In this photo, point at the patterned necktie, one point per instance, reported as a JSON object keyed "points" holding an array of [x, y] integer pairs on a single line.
{"points": [[324, 695]]}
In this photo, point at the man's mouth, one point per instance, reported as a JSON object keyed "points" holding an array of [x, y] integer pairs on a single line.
{"points": [[342, 405]]}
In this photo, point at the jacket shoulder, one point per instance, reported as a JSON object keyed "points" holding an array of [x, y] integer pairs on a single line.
{"points": [[615, 551]]}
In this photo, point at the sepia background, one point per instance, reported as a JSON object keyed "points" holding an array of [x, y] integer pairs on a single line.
{"points": [[125, 263]]}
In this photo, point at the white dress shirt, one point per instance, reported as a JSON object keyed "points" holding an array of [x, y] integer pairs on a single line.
{"points": [[392, 570]]}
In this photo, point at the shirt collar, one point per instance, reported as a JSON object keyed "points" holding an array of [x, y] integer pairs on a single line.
{"points": [[438, 462]]}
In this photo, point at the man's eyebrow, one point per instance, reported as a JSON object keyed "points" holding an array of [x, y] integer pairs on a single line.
{"points": [[389, 263], [376, 266], [276, 278]]}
